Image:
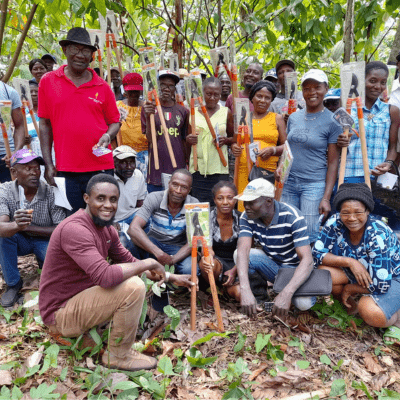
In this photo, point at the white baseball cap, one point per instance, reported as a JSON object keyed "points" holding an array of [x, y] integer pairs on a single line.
{"points": [[124, 151], [316, 75], [257, 188]]}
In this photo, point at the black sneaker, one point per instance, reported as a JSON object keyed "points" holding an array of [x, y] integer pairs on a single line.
{"points": [[11, 295]]}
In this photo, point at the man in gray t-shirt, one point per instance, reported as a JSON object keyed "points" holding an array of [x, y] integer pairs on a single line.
{"points": [[8, 93], [282, 67]]}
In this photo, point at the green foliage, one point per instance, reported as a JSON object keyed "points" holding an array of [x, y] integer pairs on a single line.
{"points": [[7, 394], [303, 364], [338, 388], [234, 375], [165, 366], [325, 359], [386, 394], [337, 312], [44, 392], [173, 313], [50, 359], [209, 336], [261, 341], [196, 359], [241, 341], [361, 386]]}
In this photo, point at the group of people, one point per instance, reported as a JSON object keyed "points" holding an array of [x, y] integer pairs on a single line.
{"points": [[91, 271]]}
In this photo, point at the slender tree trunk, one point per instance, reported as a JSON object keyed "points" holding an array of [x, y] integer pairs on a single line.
{"points": [[395, 46], [348, 31], [219, 24], [177, 43], [14, 60], [3, 17]]}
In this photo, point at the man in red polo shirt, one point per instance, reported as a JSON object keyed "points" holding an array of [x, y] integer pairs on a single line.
{"points": [[78, 112]]}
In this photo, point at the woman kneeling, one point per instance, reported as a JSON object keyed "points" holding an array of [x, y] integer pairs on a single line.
{"points": [[363, 256]]}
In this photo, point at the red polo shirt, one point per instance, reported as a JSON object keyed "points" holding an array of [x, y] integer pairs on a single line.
{"points": [[79, 116]]}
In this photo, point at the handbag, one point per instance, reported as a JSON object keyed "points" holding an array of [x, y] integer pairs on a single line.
{"points": [[389, 197], [319, 283], [258, 172]]}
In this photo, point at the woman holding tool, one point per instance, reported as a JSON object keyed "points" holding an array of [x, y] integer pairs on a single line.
{"points": [[37, 68], [130, 133], [177, 120], [224, 223], [381, 123], [268, 129], [362, 255], [209, 169], [312, 133]]}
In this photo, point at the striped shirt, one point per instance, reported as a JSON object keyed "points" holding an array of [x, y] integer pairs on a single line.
{"points": [[377, 125], [280, 238], [163, 226]]}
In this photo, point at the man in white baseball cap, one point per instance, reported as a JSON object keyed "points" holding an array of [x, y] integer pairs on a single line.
{"points": [[132, 187], [281, 231]]}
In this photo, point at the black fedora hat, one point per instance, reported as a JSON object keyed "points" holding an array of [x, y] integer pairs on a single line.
{"points": [[78, 36]]}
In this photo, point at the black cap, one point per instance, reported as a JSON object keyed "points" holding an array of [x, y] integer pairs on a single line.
{"points": [[50, 56], [398, 57], [78, 36], [354, 191], [284, 62]]}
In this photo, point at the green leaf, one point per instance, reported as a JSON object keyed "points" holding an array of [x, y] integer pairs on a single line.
{"points": [[156, 289], [234, 394], [165, 366], [101, 6], [361, 386], [209, 336], [261, 341], [241, 367], [16, 393], [174, 314], [196, 360], [282, 368], [95, 336], [63, 374], [387, 394], [338, 388], [130, 394], [50, 359], [273, 372], [325, 359], [44, 392], [241, 342], [144, 313], [302, 364], [126, 385]]}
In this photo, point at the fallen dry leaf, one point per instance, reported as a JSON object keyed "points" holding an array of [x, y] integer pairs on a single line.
{"points": [[379, 381], [5, 378], [387, 360], [258, 371], [371, 364]]}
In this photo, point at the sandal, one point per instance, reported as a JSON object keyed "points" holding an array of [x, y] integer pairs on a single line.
{"points": [[392, 332]]}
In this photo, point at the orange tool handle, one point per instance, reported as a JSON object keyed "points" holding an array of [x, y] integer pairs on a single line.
{"points": [[165, 129], [211, 128], [6, 141], [193, 124], [193, 292], [99, 55], [25, 123], [246, 145], [154, 136], [237, 162]]}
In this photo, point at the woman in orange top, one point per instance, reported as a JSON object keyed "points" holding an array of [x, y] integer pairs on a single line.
{"points": [[269, 130], [130, 133]]}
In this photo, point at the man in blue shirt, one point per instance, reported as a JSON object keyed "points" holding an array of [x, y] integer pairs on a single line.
{"points": [[281, 231], [8, 93]]}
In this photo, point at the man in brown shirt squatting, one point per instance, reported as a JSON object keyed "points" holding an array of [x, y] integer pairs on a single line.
{"points": [[79, 289]]}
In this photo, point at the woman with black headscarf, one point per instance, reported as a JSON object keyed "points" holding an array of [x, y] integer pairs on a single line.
{"points": [[362, 254], [268, 128]]}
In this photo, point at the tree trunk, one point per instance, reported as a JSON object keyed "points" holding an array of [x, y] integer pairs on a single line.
{"points": [[348, 33], [395, 46], [3, 17], [177, 43], [219, 24], [14, 60]]}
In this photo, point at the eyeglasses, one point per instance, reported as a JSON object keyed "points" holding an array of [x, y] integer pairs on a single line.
{"points": [[356, 214], [74, 50], [165, 86]]}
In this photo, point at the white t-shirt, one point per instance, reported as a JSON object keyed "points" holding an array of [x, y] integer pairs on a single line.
{"points": [[133, 190]]}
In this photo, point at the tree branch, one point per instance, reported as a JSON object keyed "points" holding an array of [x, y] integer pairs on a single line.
{"points": [[14, 60], [186, 38], [194, 33], [129, 47], [3, 17]]}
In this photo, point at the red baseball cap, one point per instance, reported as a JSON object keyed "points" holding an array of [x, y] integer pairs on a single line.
{"points": [[133, 81]]}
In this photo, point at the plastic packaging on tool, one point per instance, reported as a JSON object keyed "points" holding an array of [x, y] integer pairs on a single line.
{"points": [[198, 222]]}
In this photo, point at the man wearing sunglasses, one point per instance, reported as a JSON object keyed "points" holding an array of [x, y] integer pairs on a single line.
{"points": [[78, 112]]}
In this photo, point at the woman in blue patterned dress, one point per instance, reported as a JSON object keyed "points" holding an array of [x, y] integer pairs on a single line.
{"points": [[363, 256]]}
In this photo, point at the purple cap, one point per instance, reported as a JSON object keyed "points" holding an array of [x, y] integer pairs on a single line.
{"points": [[25, 156]]}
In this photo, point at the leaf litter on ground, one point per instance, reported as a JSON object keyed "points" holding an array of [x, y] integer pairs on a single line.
{"points": [[257, 358]]}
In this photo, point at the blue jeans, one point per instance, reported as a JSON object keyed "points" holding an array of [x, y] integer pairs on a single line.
{"points": [[306, 196], [142, 161], [75, 186], [123, 237], [264, 265], [19, 245], [154, 188], [182, 267]]}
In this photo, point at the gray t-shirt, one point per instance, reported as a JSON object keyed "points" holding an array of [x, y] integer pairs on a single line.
{"points": [[309, 140], [280, 100], [8, 93]]}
